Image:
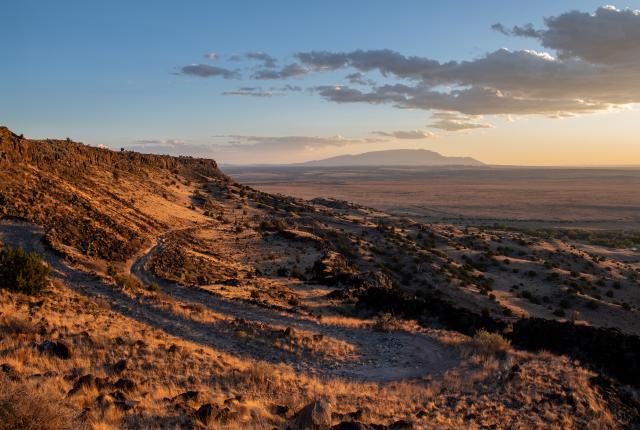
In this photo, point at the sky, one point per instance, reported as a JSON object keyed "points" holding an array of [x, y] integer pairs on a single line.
{"points": [[518, 83]]}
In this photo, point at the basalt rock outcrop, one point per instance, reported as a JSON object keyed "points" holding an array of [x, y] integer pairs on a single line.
{"points": [[68, 188]]}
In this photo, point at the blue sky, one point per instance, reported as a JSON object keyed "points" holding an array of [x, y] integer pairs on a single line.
{"points": [[105, 72]]}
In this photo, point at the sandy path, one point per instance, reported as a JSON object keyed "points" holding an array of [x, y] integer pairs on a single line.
{"points": [[379, 356]]}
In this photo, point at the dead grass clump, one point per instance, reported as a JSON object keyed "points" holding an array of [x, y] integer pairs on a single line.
{"points": [[13, 325], [128, 283], [486, 344], [386, 323], [23, 407]]}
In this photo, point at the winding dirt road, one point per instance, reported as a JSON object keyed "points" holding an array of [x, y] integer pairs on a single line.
{"points": [[378, 356]]}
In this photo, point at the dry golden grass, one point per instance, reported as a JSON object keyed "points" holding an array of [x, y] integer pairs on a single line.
{"points": [[33, 406], [508, 389]]}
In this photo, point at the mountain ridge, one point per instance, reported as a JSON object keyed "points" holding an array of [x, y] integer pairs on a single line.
{"points": [[394, 157]]}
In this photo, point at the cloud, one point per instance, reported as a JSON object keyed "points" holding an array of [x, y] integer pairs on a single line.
{"points": [[451, 121], [260, 92], [407, 134], [502, 82], [159, 143], [267, 60], [249, 91], [289, 71], [359, 79], [205, 71], [386, 61], [595, 67], [608, 36], [211, 56], [293, 142], [591, 63], [526, 31], [288, 87]]}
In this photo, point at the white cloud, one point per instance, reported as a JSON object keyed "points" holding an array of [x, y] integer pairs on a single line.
{"points": [[159, 143], [608, 36], [591, 63], [452, 121], [407, 134], [297, 142]]}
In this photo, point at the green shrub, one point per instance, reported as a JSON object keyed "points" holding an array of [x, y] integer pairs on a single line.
{"points": [[111, 271], [22, 272], [485, 343], [127, 283]]}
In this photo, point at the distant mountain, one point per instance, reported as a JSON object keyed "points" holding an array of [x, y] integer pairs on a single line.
{"points": [[395, 157]]}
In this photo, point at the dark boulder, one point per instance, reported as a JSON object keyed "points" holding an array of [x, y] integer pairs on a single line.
{"points": [[187, 396], [206, 413], [281, 410], [121, 366], [351, 425], [58, 349], [401, 425], [125, 385], [314, 416]]}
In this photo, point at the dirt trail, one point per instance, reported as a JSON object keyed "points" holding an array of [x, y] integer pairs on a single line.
{"points": [[379, 356]]}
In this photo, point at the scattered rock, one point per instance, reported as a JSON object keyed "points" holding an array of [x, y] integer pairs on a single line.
{"points": [[125, 384], [233, 400], [58, 349], [121, 366], [224, 416], [9, 371], [206, 413], [84, 381], [356, 415], [315, 416], [88, 381], [126, 405], [119, 395], [401, 425], [187, 396], [351, 425], [104, 401], [281, 410]]}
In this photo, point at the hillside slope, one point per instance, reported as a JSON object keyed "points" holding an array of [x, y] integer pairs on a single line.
{"points": [[186, 300], [89, 198]]}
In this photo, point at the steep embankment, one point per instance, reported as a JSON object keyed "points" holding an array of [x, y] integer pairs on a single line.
{"points": [[84, 196]]}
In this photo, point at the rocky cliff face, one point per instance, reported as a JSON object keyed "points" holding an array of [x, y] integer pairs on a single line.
{"points": [[85, 197], [62, 155]]}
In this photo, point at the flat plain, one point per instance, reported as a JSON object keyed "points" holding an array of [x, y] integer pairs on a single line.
{"points": [[597, 198]]}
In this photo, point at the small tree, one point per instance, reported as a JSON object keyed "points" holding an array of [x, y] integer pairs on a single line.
{"points": [[22, 272]]}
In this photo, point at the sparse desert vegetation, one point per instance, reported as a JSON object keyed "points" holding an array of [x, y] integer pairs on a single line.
{"points": [[171, 296]]}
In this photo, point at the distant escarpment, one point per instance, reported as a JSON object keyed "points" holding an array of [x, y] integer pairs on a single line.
{"points": [[65, 157], [84, 196]]}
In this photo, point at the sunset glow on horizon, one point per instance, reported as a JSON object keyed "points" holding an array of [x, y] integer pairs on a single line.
{"points": [[550, 84]]}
